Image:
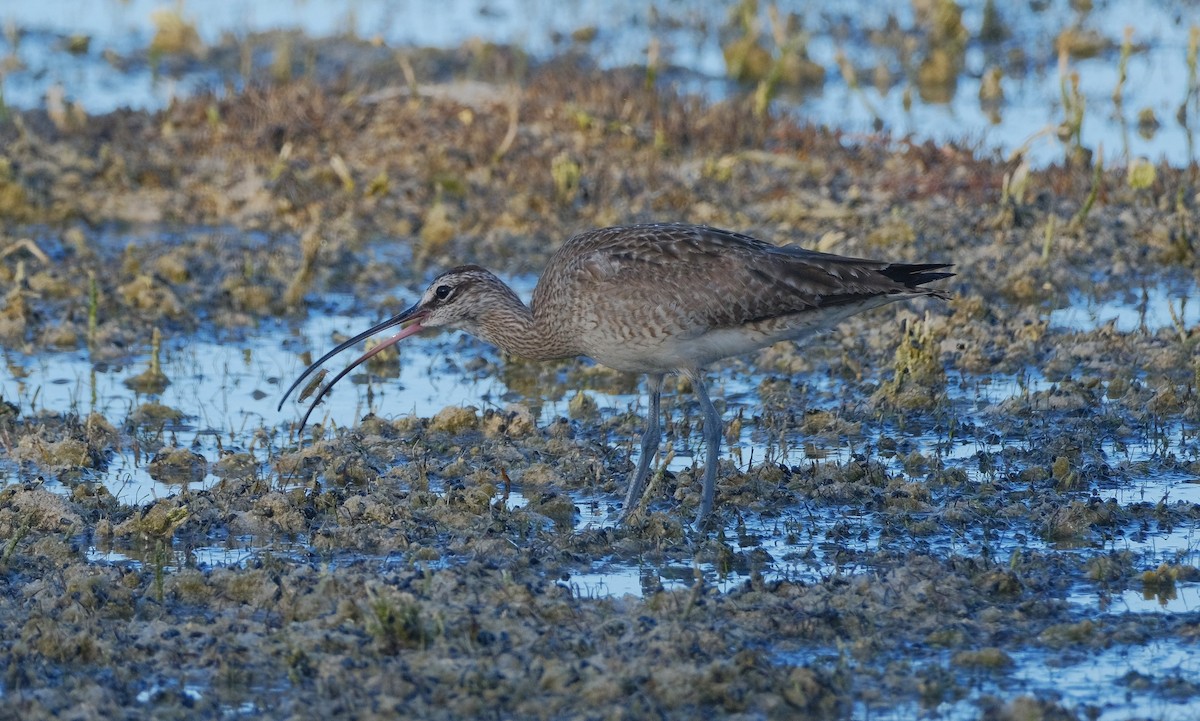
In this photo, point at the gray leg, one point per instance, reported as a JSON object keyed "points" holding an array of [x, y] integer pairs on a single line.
{"points": [[712, 439], [650, 441]]}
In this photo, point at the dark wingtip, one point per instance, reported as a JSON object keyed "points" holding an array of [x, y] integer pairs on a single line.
{"points": [[912, 275]]}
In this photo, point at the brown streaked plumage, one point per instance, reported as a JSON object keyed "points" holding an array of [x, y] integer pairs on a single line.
{"points": [[656, 299]]}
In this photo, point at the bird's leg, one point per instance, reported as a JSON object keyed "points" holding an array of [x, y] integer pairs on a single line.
{"points": [[712, 441], [650, 442]]}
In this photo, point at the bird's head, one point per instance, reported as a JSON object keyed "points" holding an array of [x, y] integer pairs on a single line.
{"points": [[460, 298]]}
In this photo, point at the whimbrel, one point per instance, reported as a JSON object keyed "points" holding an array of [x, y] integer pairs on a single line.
{"points": [[655, 299]]}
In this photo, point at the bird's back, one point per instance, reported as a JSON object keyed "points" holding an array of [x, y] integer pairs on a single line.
{"points": [[668, 296]]}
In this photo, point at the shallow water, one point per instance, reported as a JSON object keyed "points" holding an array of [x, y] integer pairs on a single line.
{"points": [[1107, 685], [1182, 598], [1173, 304], [229, 388], [229, 385], [687, 38]]}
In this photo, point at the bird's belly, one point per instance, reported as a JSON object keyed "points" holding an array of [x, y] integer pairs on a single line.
{"points": [[671, 353]]}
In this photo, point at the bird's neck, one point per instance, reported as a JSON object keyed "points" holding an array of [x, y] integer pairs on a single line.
{"points": [[512, 327]]}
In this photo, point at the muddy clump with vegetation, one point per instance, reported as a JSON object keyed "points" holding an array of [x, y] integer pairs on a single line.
{"points": [[392, 574]]}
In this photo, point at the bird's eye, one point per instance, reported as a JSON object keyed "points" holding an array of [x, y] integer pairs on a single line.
{"points": [[442, 292]]}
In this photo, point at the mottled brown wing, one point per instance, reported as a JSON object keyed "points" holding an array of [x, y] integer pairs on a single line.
{"points": [[703, 278]]}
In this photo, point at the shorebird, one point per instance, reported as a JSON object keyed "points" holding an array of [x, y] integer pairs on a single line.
{"points": [[655, 299]]}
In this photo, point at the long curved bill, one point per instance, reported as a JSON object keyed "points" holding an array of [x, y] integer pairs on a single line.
{"points": [[416, 314]]}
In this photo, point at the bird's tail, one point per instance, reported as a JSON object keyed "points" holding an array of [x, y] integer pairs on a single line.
{"points": [[913, 275]]}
